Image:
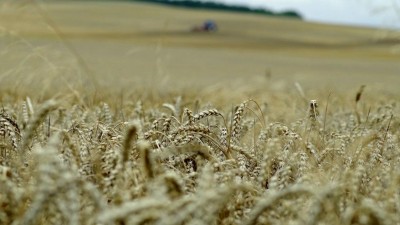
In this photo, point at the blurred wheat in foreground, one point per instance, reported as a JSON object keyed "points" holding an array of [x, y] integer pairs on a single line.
{"points": [[187, 162]]}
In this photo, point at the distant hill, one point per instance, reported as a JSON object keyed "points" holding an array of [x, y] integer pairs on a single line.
{"points": [[223, 7]]}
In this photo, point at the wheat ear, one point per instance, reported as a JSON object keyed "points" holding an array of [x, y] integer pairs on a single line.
{"points": [[130, 134], [33, 124], [272, 198], [147, 161]]}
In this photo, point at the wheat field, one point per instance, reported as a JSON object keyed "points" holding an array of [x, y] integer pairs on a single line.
{"points": [[134, 120]]}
